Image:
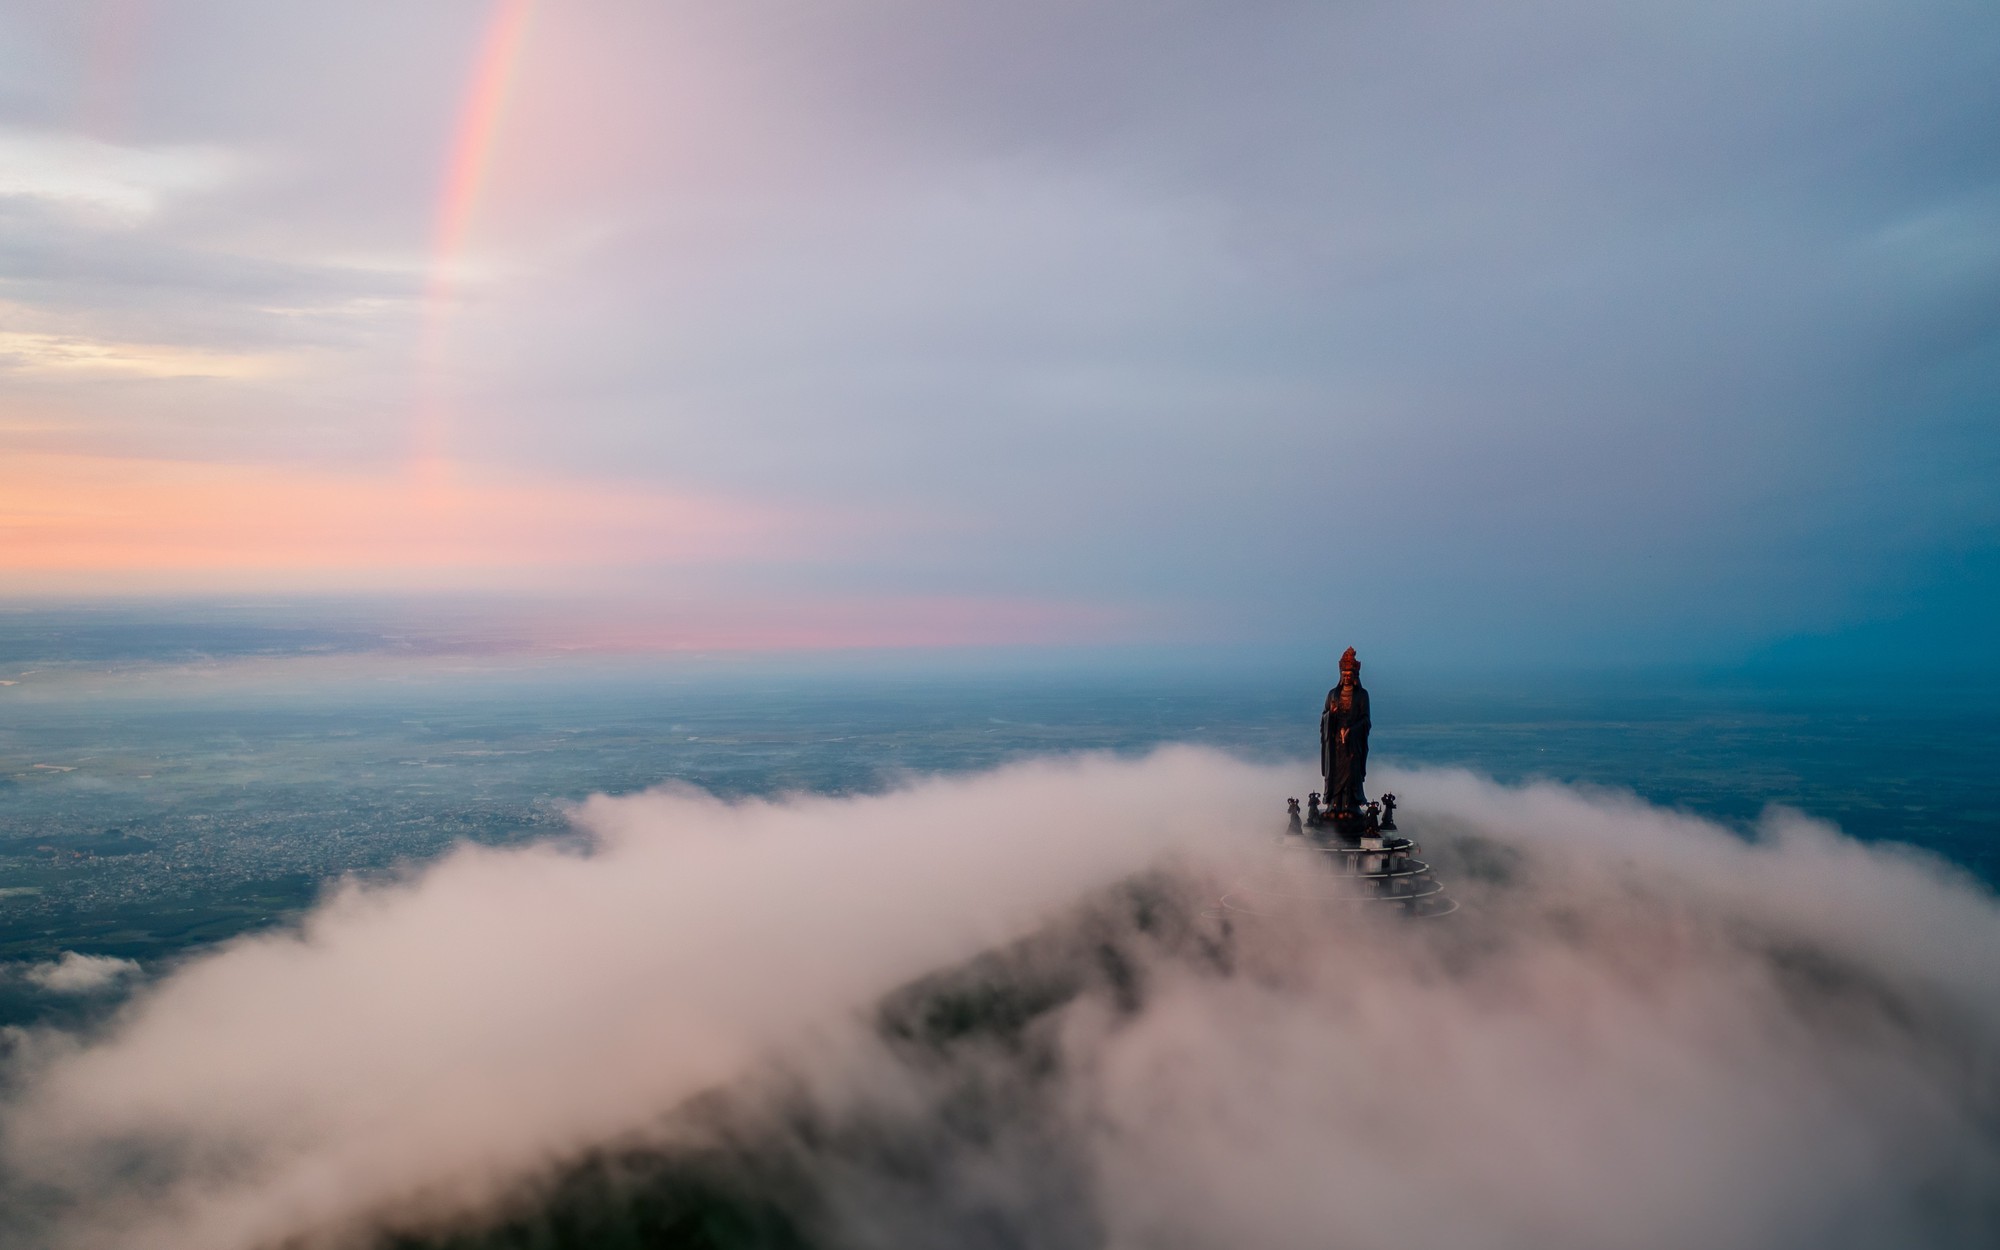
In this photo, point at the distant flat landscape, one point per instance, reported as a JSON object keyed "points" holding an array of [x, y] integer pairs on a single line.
{"points": [[156, 798]]}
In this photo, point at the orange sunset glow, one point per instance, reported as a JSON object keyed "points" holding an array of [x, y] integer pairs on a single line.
{"points": [[92, 517]]}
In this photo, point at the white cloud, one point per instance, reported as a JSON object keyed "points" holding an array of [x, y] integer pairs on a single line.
{"points": [[126, 183], [74, 973], [458, 1027], [1641, 1028]]}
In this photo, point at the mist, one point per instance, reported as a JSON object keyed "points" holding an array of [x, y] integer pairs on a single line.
{"points": [[1641, 1028]]}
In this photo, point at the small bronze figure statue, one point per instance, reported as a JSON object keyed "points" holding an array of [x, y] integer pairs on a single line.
{"points": [[1389, 811], [1312, 808], [1343, 740], [1292, 816], [1374, 815]]}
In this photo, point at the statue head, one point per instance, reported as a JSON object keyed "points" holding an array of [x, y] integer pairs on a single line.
{"points": [[1350, 668]]}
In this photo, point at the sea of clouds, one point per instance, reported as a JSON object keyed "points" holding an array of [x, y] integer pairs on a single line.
{"points": [[1641, 1029]]}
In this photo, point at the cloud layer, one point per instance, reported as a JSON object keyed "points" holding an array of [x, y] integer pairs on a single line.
{"points": [[510, 1003], [1641, 1028]]}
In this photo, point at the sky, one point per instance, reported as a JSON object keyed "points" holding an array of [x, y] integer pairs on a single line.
{"points": [[1613, 331]]}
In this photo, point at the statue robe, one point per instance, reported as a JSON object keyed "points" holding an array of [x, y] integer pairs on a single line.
{"points": [[1344, 764]]}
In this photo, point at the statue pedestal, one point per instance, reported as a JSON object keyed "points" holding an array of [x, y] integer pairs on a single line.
{"points": [[1336, 877]]}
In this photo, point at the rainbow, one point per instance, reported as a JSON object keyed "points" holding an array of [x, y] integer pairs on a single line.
{"points": [[467, 167]]}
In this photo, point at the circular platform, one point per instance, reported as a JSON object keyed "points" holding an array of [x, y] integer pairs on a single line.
{"points": [[1321, 867]]}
